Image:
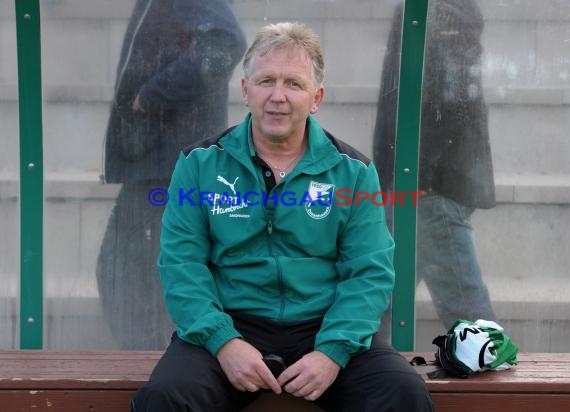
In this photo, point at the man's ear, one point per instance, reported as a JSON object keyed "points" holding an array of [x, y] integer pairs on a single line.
{"points": [[244, 91], [319, 96]]}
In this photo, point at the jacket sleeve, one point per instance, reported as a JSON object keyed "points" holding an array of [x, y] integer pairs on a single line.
{"points": [[216, 44], [190, 292], [366, 278]]}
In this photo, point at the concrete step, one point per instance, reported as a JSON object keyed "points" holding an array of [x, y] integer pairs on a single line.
{"points": [[536, 315]]}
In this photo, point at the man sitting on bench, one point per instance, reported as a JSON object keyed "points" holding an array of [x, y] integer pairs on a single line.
{"points": [[272, 284]]}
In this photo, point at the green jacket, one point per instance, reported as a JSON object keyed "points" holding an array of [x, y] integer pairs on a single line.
{"points": [[285, 259]]}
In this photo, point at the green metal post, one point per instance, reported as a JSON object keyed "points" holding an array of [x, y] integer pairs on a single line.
{"points": [[31, 173], [406, 173]]}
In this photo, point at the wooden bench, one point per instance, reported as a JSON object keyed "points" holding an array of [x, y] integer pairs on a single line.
{"points": [[44, 381]]}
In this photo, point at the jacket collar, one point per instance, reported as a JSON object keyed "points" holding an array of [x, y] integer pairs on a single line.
{"points": [[321, 154]]}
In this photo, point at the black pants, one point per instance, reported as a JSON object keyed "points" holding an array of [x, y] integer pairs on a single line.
{"points": [[188, 378]]}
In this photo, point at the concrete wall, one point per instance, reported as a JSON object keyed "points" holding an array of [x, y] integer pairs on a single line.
{"points": [[522, 242]]}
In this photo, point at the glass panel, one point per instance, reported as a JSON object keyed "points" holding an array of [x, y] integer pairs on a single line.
{"points": [[78, 52], [384, 131], [119, 91], [494, 164], [9, 180]]}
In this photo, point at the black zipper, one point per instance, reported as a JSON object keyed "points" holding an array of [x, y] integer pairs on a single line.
{"points": [[269, 216]]}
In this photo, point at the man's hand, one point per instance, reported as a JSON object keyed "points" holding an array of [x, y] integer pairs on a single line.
{"points": [[310, 376], [244, 367], [137, 105]]}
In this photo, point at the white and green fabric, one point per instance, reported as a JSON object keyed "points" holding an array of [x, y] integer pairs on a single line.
{"points": [[471, 347]]}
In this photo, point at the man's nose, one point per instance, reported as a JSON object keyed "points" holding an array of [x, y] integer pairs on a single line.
{"points": [[278, 93]]}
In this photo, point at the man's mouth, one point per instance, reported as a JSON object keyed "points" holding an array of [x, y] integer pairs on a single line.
{"points": [[276, 113]]}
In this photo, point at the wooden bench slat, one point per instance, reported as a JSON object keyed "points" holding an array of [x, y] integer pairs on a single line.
{"points": [[535, 373], [95, 381], [66, 401], [76, 370], [477, 402]]}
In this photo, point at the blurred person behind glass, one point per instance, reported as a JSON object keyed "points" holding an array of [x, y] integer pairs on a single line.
{"points": [[455, 165], [171, 90]]}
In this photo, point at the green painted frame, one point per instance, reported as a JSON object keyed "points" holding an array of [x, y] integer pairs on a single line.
{"points": [[31, 173], [406, 171]]}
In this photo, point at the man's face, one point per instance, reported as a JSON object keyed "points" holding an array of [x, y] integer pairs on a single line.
{"points": [[280, 93]]}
